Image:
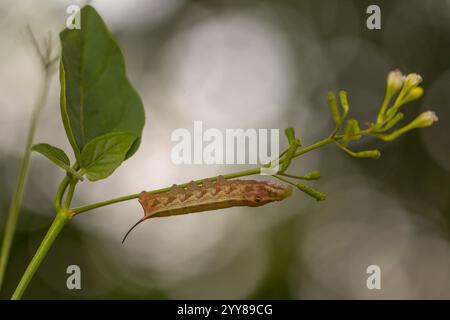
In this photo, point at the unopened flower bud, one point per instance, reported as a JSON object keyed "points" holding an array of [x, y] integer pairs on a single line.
{"points": [[290, 134], [313, 175], [344, 102], [334, 108], [412, 80], [425, 119], [319, 196], [395, 81], [374, 154], [410, 84], [413, 94]]}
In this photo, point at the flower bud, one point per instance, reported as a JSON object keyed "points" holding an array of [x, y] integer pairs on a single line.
{"points": [[374, 154], [413, 94], [334, 108], [319, 196], [412, 80], [409, 86], [313, 175], [344, 102], [290, 134], [395, 81], [425, 119]]}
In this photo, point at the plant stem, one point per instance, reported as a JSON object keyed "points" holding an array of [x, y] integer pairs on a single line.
{"points": [[346, 150], [16, 202], [70, 193], [313, 146], [62, 217], [295, 177], [60, 192], [285, 180], [68, 179], [360, 133]]}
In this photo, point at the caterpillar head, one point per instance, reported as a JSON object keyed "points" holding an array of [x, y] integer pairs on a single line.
{"points": [[267, 192]]}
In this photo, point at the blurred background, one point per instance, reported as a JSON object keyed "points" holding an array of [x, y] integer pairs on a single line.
{"points": [[243, 64]]}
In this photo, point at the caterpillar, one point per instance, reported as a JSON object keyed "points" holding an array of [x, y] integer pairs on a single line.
{"points": [[210, 196]]}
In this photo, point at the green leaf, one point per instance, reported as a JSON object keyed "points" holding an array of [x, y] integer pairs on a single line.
{"points": [[104, 154], [96, 96], [57, 156], [54, 154]]}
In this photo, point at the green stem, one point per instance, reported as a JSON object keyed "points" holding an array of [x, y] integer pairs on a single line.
{"points": [[295, 177], [380, 117], [285, 180], [346, 150], [70, 193], [16, 202], [68, 179], [60, 192], [313, 146], [360, 133], [62, 217]]}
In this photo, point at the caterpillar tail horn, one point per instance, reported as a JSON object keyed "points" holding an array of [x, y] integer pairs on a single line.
{"points": [[131, 229]]}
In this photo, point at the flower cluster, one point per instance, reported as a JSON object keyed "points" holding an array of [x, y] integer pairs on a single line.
{"points": [[400, 90], [408, 90]]}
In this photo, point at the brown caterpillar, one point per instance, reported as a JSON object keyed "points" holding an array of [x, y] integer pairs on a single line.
{"points": [[210, 196]]}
